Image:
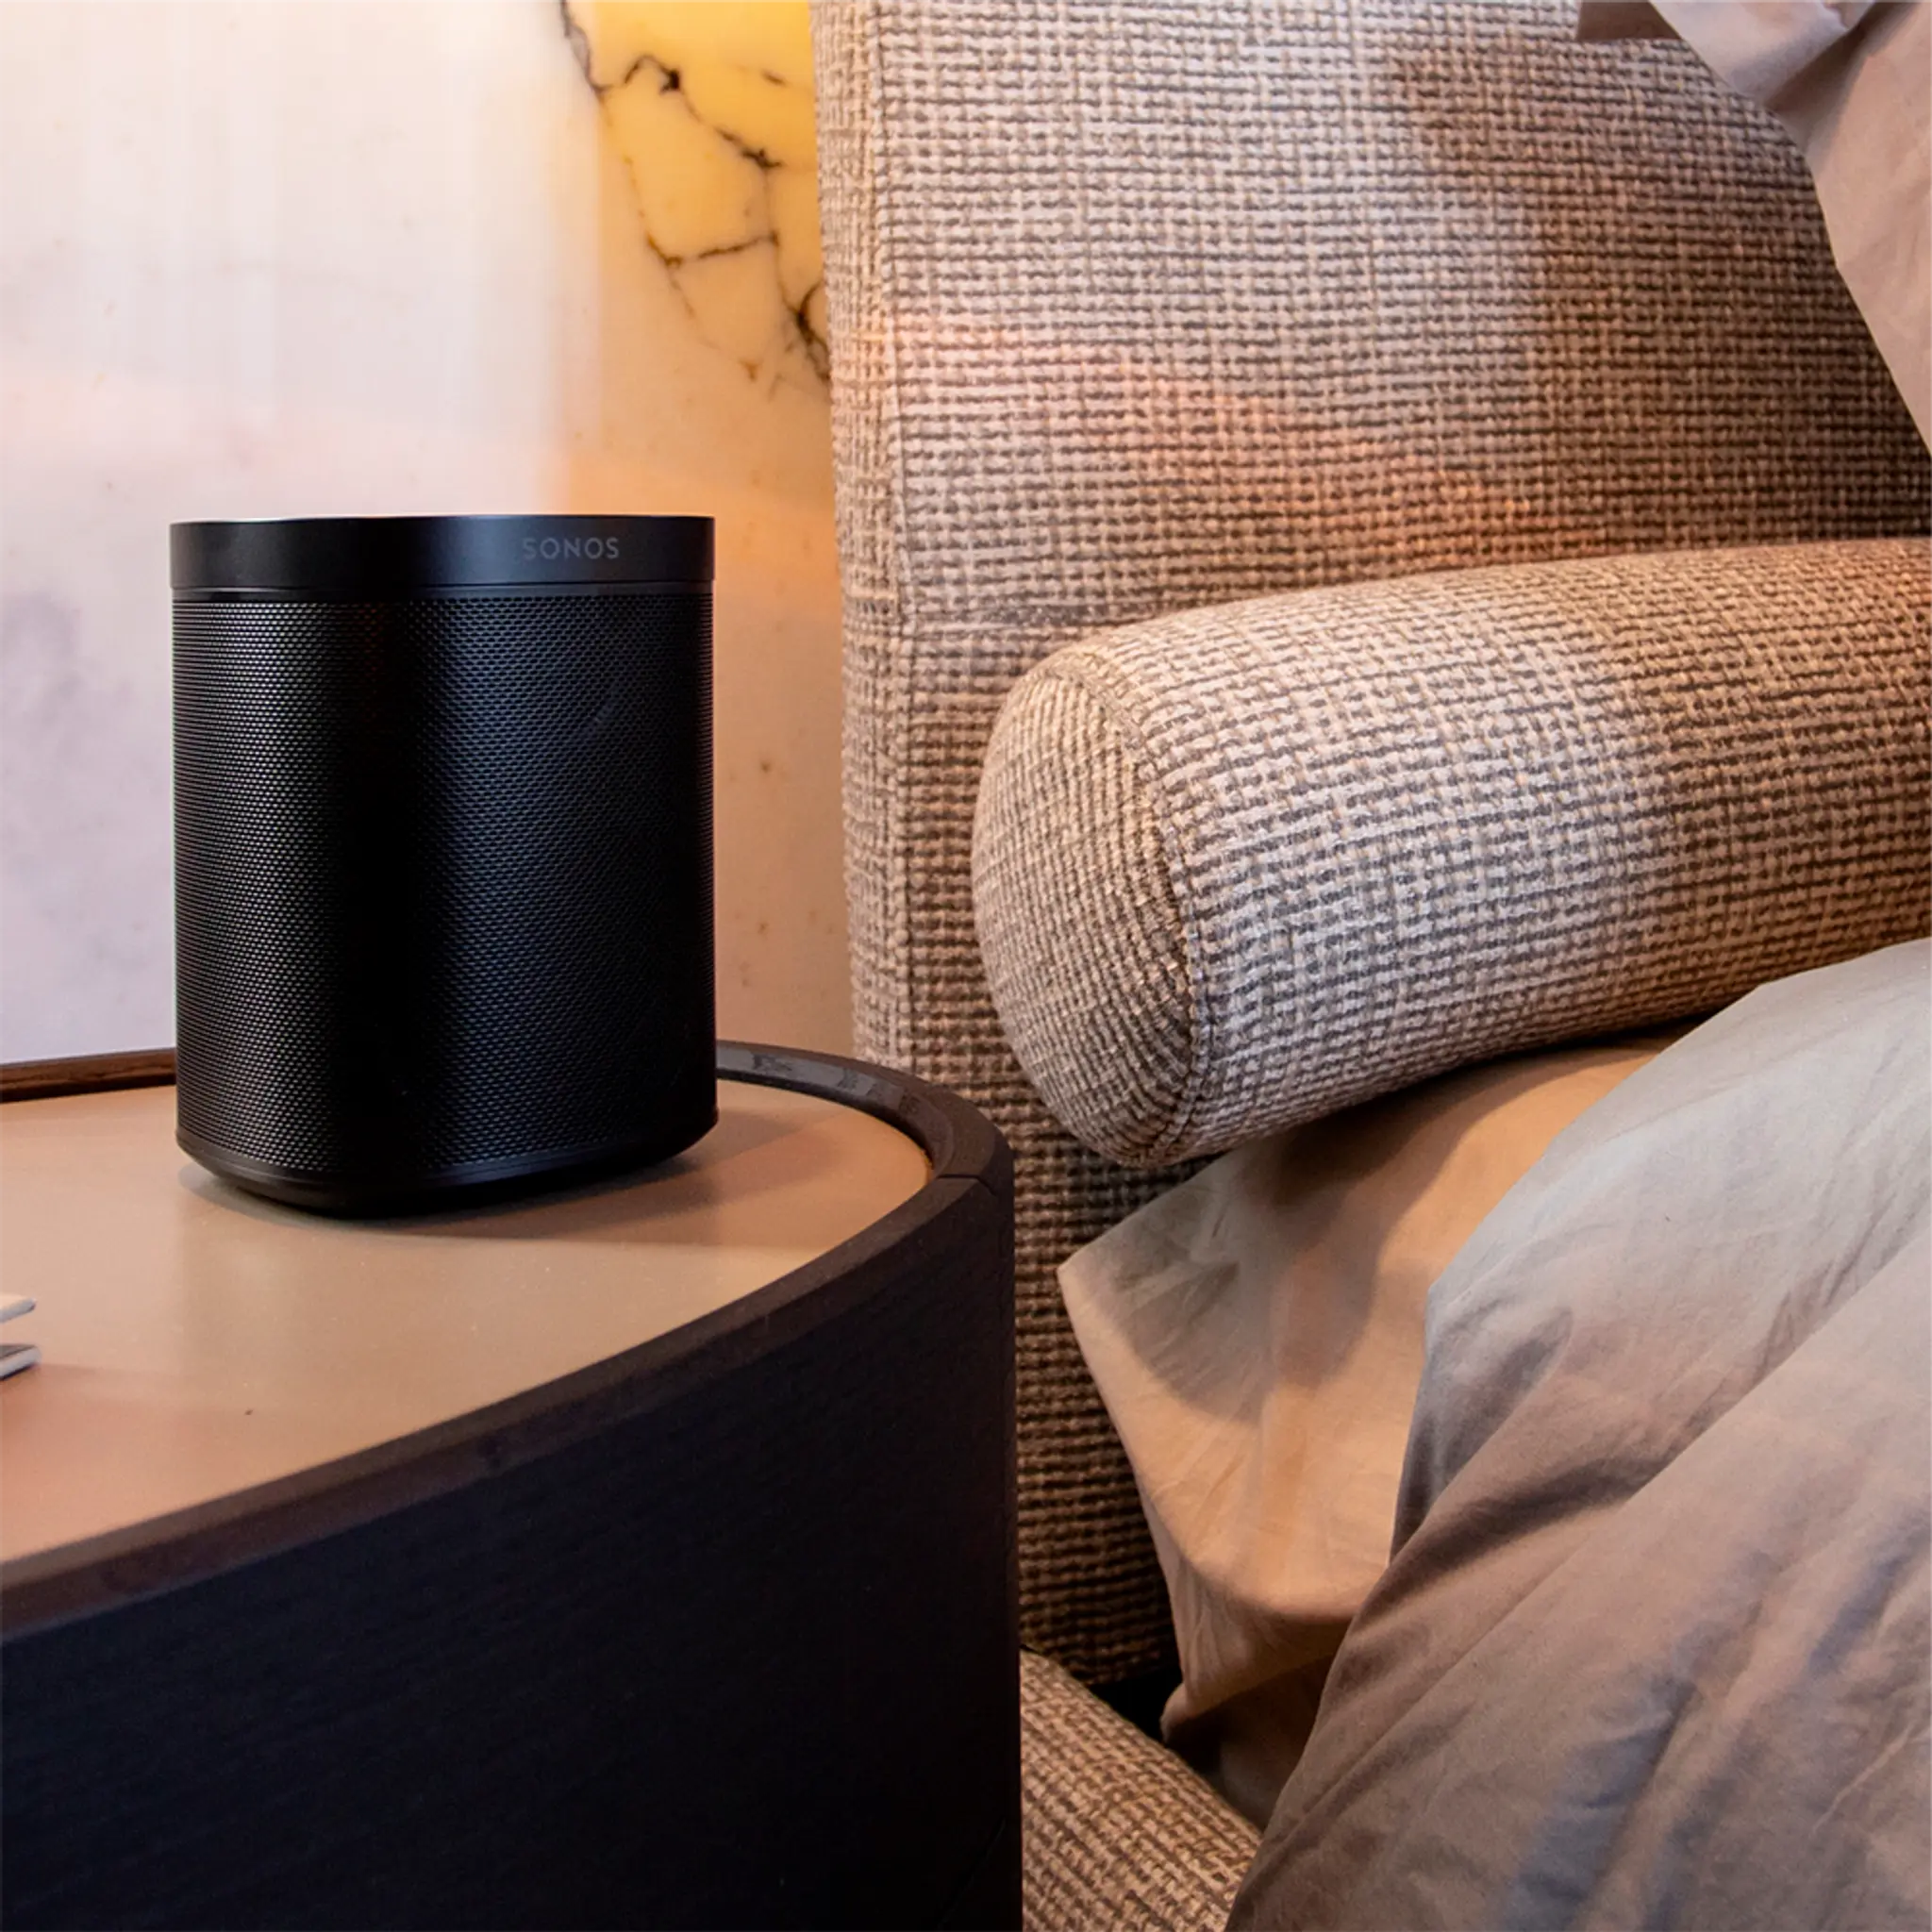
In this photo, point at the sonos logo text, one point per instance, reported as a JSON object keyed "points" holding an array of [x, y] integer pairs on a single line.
{"points": [[550, 549]]}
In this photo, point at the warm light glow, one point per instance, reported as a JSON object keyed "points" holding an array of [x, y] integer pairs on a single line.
{"points": [[314, 259], [711, 105]]}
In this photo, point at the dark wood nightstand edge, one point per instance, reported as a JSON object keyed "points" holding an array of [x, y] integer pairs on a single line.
{"points": [[94, 1073], [53, 1587]]}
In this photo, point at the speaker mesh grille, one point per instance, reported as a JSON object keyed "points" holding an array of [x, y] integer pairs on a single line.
{"points": [[443, 886]]}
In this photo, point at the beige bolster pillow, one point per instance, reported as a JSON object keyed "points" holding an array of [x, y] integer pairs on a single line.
{"points": [[1241, 867]]}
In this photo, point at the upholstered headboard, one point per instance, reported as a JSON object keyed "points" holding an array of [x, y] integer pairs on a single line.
{"points": [[1138, 307]]}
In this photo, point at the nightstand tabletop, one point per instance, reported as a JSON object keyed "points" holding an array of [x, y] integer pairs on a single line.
{"points": [[197, 1342]]}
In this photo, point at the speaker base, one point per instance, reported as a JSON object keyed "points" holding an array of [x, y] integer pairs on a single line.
{"points": [[476, 1184]]}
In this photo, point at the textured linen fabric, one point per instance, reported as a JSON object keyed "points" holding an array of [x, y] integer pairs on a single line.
{"points": [[1135, 306], [1257, 1333], [1621, 20], [1654, 1645], [1852, 82], [1758, 46], [1238, 868], [1117, 1834], [1865, 122], [1761, 46]]}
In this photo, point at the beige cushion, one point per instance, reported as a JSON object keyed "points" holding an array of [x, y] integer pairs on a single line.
{"points": [[1621, 20], [1866, 124], [1116, 1832], [1852, 82], [1242, 867], [1760, 48], [1256, 1333]]}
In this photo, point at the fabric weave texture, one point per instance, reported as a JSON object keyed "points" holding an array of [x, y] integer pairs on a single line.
{"points": [[1138, 307], [1117, 1832], [1243, 867]]}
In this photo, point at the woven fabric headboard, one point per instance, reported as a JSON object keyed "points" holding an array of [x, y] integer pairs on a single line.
{"points": [[1139, 307]]}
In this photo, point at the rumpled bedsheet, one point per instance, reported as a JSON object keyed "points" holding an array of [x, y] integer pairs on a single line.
{"points": [[1653, 1648]]}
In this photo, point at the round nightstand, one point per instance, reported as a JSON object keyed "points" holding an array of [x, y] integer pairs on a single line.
{"points": [[641, 1556]]}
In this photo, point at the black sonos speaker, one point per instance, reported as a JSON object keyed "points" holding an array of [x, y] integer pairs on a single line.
{"points": [[442, 852]]}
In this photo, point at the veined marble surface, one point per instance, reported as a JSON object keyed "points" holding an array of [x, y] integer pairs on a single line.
{"points": [[711, 105], [316, 260]]}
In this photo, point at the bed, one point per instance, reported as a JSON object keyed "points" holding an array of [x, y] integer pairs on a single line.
{"points": [[1386, 634]]}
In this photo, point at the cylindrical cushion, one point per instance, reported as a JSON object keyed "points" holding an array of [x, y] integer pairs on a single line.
{"points": [[1116, 1832], [1236, 868]]}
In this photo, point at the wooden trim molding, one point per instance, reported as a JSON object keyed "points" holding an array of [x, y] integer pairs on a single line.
{"points": [[89, 1073]]}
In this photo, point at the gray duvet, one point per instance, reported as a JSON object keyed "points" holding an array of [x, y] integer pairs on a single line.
{"points": [[1652, 1649]]}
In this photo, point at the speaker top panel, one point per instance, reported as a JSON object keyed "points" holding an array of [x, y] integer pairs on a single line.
{"points": [[386, 557]]}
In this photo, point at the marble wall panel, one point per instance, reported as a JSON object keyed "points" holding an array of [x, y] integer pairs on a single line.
{"points": [[421, 257]]}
